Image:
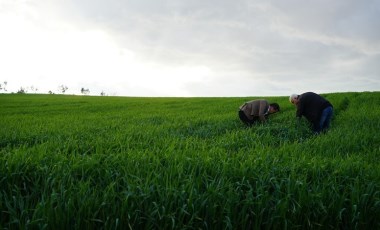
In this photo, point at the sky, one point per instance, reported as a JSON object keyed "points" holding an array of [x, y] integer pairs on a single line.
{"points": [[197, 48]]}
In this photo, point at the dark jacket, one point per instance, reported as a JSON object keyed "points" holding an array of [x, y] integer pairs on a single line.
{"points": [[256, 109], [311, 105]]}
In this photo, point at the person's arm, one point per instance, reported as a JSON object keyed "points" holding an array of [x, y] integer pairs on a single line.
{"points": [[262, 111], [300, 108], [299, 114]]}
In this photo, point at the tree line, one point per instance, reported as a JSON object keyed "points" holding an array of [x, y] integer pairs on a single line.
{"points": [[61, 89]]}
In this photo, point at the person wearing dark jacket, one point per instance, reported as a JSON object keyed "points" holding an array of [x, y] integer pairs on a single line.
{"points": [[256, 110], [317, 110]]}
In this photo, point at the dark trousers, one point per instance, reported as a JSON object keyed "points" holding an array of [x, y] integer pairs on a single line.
{"points": [[324, 122], [245, 119]]}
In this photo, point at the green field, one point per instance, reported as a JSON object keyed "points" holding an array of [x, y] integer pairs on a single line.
{"points": [[80, 162]]}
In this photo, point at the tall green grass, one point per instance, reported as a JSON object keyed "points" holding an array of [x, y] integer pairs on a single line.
{"points": [[73, 162]]}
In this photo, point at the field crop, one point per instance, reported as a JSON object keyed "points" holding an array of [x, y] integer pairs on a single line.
{"points": [[79, 162]]}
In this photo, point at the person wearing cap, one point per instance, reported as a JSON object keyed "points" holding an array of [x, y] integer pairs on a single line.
{"points": [[317, 110], [256, 110]]}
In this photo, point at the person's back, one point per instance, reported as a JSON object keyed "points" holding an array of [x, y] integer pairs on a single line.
{"points": [[312, 106], [255, 110]]}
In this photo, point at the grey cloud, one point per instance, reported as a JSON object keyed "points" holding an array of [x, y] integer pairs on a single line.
{"points": [[276, 40], [333, 21]]}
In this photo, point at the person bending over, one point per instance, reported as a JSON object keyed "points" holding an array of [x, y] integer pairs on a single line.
{"points": [[317, 110], [257, 110]]}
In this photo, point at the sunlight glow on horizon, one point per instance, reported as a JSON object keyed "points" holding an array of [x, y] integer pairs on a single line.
{"points": [[63, 57]]}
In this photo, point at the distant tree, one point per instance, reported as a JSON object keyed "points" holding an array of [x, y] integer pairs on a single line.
{"points": [[102, 93], [63, 88], [22, 91], [50, 92], [85, 91], [33, 89], [3, 86]]}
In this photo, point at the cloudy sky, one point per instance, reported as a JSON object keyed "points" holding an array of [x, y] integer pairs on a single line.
{"points": [[190, 48]]}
